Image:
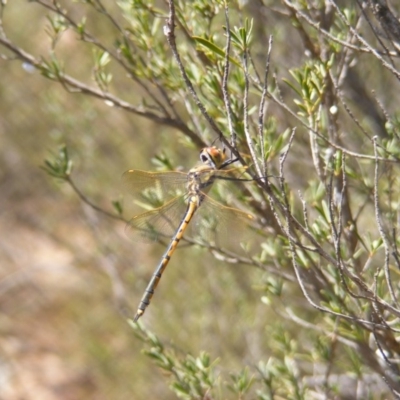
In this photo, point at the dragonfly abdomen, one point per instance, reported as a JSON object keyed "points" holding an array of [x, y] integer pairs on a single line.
{"points": [[193, 205]]}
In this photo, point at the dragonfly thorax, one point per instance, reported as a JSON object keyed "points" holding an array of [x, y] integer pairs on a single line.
{"points": [[200, 180]]}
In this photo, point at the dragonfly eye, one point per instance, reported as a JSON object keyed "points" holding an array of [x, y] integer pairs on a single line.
{"points": [[203, 157], [206, 157]]}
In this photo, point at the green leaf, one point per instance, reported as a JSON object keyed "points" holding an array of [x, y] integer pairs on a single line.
{"points": [[61, 166], [117, 206], [214, 49]]}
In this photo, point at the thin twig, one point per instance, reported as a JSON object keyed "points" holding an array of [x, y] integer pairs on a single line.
{"points": [[289, 220], [74, 86], [249, 139], [317, 26], [348, 152], [381, 230], [89, 38], [225, 77], [169, 31], [261, 109], [384, 63], [70, 181]]}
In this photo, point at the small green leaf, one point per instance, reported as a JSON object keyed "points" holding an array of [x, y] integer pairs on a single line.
{"points": [[214, 49], [117, 206], [61, 166]]}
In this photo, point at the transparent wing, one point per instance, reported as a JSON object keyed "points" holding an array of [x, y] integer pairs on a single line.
{"points": [[160, 223], [222, 227], [231, 174], [137, 181], [213, 223], [167, 183]]}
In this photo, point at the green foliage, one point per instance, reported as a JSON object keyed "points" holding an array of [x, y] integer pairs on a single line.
{"points": [[310, 86], [241, 383], [213, 49], [242, 36], [101, 76], [191, 377], [60, 166]]}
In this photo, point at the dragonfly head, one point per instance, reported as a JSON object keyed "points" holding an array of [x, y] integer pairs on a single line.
{"points": [[213, 157]]}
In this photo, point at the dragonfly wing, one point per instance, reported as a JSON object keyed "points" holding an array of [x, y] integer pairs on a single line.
{"points": [[158, 224], [223, 227], [136, 181], [232, 174]]}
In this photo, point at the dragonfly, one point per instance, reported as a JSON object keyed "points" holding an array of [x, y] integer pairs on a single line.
{"points": [[190, 202]]}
